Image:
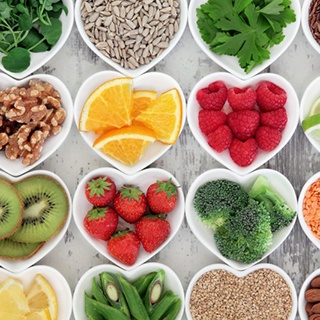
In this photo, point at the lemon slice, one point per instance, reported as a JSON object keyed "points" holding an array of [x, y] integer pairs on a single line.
{"points": [[39, 315]]}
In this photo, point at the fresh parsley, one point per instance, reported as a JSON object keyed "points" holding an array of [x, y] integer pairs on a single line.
{"points": [[246, 29], [28, 26]]}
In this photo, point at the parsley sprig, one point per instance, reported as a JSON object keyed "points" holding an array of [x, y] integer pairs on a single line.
{"points": [[246, 29]]}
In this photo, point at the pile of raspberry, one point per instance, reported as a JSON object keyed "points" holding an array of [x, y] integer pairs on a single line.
{"points": [[242, 120]]}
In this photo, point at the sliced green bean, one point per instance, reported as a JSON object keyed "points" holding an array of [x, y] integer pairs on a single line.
{"points": [[143, 282], [97, 292], [173, 311], [90, 310], [164, 305]]}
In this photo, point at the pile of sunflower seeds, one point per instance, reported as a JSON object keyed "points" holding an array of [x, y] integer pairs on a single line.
{"points": [[131, 32]]}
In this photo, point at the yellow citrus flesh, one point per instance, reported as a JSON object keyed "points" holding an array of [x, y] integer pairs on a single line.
{"points": [[39, 315], [41, 296], [127, 144], [164, 116], [12, 316], [141, 100], [108, 106]]}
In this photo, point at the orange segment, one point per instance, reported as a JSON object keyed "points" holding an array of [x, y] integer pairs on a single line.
{"points": [[108, 106], [164, 116], [127, 144], [141, 100]]}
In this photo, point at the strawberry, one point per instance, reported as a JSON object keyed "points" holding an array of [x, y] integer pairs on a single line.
{"points": [[242, 99], [152, 231], [101, 223], [244, 123], [268, 138], [270, 96], [210, 120], [243, 153], [275, 119], [130, 203], [212, 97], [220, 139], [100, 191], [162, 196], [124, 246]]}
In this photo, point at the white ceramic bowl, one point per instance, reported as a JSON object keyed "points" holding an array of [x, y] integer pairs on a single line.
{"points": [[57, 281], [292, 107], [311, 93], [51, 144], [143, 68], [20, 265], [157, 81], [302, 222], [279, 182], [172, 282], [142, 179], [230, 63], [38, 59], [242, 274]]}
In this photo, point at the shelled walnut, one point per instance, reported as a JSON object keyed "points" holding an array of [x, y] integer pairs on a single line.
{"points": [[28, 116]]}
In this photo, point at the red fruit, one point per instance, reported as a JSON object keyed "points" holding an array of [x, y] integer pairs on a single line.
{"points": [[130, 203], [212, 97], [242, 99], [100, 191], [162, 196], [244, 123], [152, 232], [243, 153], [124, 246], [101, 223], [220, 139], [275, 119], [270, 96], [268, 138], [210, 120]]}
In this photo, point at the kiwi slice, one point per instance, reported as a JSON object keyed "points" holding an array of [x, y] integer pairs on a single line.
{"points": [[14, 250], [46, 208], [11, 209]]}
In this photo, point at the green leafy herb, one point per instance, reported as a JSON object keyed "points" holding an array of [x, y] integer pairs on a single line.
{"points": [[245, 29], [28, 26]]}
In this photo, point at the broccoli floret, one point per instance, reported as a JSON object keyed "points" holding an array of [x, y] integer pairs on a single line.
{"points": [[281, 215], [247, 236], [216, 200]]}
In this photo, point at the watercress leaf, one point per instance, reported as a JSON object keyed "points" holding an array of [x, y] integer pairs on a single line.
{"points": [[32, 39], [21, 8], [59, 7], [17, 60], [25, 22], [53, 32], [5, 10]]}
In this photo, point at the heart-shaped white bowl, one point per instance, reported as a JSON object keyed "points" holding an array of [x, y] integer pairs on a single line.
{"points": [[20, 265], [172, 282], [311, 93], [279, 182], [292, 107], [230, 63], [57, 281], [157, 81], [242, 274], [142, 179], [15, 167], [143, 68], [38, 59]]}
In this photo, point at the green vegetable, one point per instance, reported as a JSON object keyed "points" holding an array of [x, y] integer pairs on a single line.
{"points": [[246, 29], [90, 310], [174, 310], [97, 292], [28, 26], [164, 305], [143, 282], [281, 215]]}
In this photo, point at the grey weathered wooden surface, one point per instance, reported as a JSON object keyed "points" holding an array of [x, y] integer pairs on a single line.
{"points": [[298, 160]]}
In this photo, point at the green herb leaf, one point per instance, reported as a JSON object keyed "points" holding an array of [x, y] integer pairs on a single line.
{"points": [[35, 41], [25, 22], [5, 10], [52, 33], [17, 60]]}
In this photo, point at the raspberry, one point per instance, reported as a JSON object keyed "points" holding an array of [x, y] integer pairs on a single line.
{"points": [[210, 120], [270, 96], [275, 119], [243, 153], [244, 123], [242, 99], [220, 139], [268, 138], [212, 97]]}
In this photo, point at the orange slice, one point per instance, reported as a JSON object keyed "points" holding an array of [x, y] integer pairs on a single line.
{"points": [[164, 116], [127, 144], [141, 100], [108, 106]]}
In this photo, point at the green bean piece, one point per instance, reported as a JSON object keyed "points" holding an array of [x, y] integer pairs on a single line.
{"points": [[113, 293], [90, 310], [173, 311], [135, 303], [154, 291], [164, 305], [97, 292], [143, 282]]}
